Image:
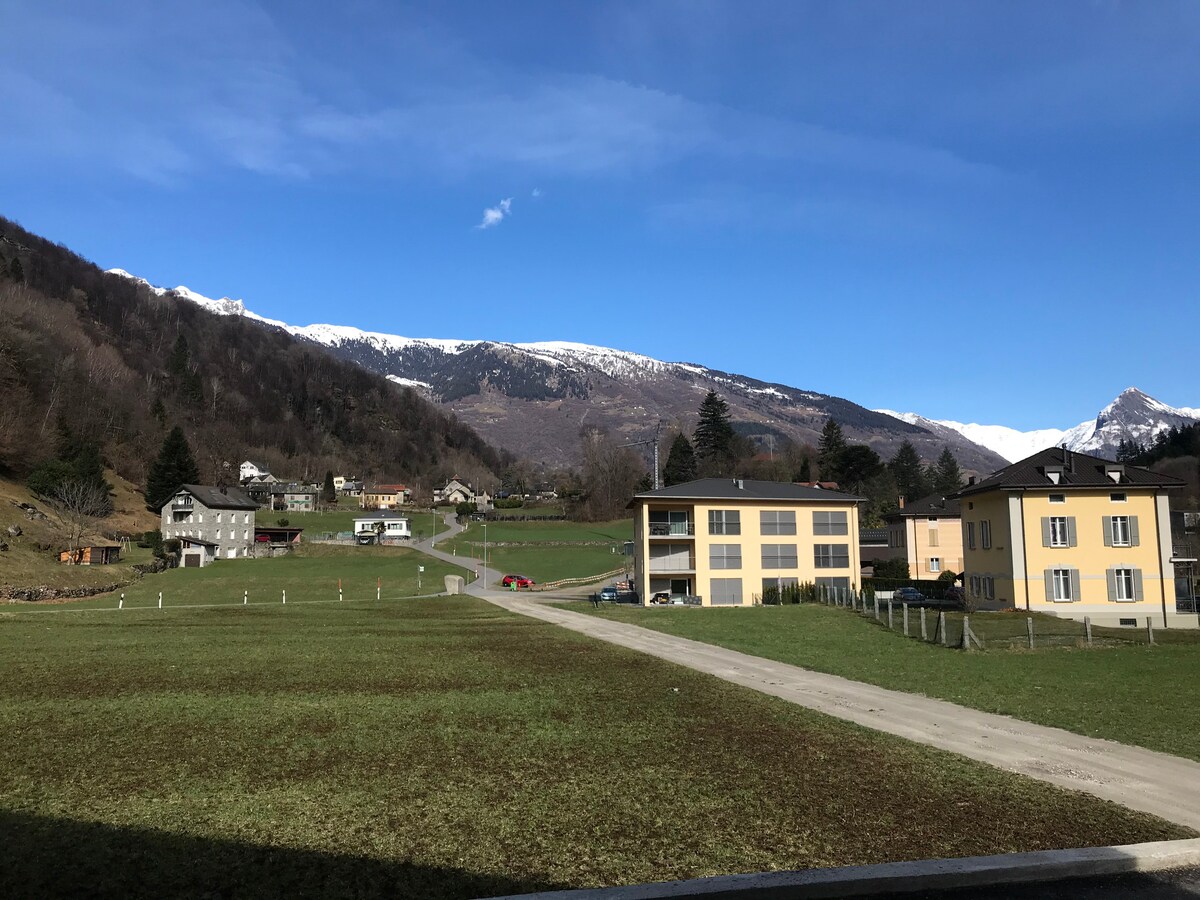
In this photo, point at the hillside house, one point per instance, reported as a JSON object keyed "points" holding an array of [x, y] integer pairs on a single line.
{"points": [[456, 491], [384, 496], [384, 525], [95, 554], [210, 522], [250, 469], [1073, 535], [726, 542]]}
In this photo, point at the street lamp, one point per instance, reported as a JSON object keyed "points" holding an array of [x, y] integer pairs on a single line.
{"points": [[485, 553]]}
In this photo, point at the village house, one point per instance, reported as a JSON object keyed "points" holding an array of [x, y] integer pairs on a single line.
{"points": [[1073, 535], [93, 554], [250, 469], [456, 491], [384, 525], [384, 496], [726, 542], [928, 534], [210, 522]]}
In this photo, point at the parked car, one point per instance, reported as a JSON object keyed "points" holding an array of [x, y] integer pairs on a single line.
{"points": [[520, 580], [609, 593], [661, 597], [907, 595], [956, 597]]}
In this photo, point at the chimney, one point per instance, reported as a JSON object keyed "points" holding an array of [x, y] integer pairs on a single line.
{"points": [[900, 500], [1068, 459], [741, 485]]}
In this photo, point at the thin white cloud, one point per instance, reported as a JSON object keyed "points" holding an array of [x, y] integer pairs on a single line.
{"points": [[494, 215], [536, 192]]}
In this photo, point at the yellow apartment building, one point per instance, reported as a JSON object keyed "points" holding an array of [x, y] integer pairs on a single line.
{"points": [[1072, 535], [928, 533], [724, 541]]}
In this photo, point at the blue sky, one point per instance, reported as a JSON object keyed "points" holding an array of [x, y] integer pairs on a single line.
{"points": [[978, 211]]}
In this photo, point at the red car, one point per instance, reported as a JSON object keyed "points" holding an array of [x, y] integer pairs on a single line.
{"points": [[520, 580]]}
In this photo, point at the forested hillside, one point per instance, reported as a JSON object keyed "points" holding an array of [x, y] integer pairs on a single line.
{"points": [[1175, 451], [106, 360]]}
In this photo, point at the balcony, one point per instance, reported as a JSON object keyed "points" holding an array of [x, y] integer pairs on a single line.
{"points": [[667, 565], [672, 529], [185, 504]]}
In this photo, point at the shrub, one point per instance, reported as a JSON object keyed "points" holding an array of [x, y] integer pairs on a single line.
{"points": [[509, 503]]}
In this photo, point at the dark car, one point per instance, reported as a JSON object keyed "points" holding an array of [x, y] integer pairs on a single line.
{"points": [[907, 595], [956, 597]]}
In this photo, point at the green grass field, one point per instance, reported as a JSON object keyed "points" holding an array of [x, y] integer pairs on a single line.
{"points": [[547, 551], [1127, 692], [444, 748]]}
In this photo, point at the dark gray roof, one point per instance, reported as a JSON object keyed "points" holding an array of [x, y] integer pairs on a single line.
{"points": [[934, 505], [744, 489], [1079, 472], [383, 514], [199, 541], [220, 498], [872, 535]]}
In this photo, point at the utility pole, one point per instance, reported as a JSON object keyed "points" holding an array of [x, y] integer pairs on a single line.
{"points": [[653, 442]]}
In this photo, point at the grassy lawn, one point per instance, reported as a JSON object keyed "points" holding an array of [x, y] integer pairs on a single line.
{"points": [[311, 573], [547, 551], [342, 519], [444, 748], [1120, 690]]}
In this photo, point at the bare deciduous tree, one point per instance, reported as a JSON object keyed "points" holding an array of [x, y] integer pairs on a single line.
{"points": [[77, 506]]}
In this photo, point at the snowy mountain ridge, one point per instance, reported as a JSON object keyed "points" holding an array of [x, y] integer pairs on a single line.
{"points": [[1133, 415]]}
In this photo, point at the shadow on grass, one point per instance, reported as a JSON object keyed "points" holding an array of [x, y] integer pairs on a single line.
{"points": [[49, 857]]}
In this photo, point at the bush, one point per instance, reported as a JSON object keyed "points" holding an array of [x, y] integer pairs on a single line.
{"points": [[949, 577], [465, 508], [282, 523], [508, 503], [891, 568]]}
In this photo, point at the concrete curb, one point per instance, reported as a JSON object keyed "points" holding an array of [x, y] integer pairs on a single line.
{"points": [[905, 877]]}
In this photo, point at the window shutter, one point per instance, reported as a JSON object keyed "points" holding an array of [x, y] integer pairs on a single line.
{"points": [[1133, 531], [1108, 531], [1075, 585], [1111, 574], [1050, 585], [1072, 540], [1137, 585], [1045, 531]]}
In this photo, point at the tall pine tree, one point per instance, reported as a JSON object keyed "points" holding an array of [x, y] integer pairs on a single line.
{"points": [[947, 476], [174, 467], [908, 472], [831, 451], [714, 438], [329, 492], [681, 462]]}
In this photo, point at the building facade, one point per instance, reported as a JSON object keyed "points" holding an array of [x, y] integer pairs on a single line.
{"points": [[384, 525], [1072, 535], [220, 518], [725, 542], [928, 533], [384, 496]]}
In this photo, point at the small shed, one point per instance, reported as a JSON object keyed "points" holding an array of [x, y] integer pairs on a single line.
{"points": [[91, 555], [196, 553], [393, 525]]}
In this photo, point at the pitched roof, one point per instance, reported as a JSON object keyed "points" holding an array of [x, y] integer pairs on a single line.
{"points": [[872, 535], [220, 498], [744, 489], [934, 505], [1079, 471]]}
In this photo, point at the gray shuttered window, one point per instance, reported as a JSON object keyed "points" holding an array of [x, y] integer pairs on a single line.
{"points": [[1125, 584], [1133, 531], [1108, 542], [1062, 585], [1045, 531]]}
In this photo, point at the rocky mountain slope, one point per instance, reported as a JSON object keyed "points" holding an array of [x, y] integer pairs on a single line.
{"points": [[534, 398], [1132, 416]]}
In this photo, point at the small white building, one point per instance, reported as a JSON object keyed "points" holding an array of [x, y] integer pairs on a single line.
{"points": [[250, 469], [393, 524]]}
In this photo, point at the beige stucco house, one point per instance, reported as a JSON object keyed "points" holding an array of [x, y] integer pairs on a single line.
{"points": [[928, 533]]}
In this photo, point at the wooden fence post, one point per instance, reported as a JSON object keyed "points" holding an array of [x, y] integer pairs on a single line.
{"points": [[966, 636], [942, 628], [1029, 628], [1150, 629], [876, 607], [890, 625], [924, 628], [905, 606], [1087, 628]]}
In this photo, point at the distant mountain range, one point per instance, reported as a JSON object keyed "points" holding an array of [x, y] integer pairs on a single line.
{"points": [[1134, 415], [534, 398]]}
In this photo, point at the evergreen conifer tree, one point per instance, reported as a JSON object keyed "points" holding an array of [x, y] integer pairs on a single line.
{"points": [[329, 492], [681, 462], [830, 451], [16, 271], [805, 473], [174, 466], [947, 476], [908, 472], [714, 438]]}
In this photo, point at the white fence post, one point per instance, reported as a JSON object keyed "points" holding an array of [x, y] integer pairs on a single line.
{"points": [[121, 603], [1029, 628], [245, 598], [160, 599], [924, 627], [285, 596], [1087, 628]]}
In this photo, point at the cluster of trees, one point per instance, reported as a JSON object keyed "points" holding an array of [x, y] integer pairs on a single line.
{"points": [[1176, 452], [124, 367]]}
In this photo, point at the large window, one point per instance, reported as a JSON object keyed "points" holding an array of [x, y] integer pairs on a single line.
{"points": [[1062, 585], [724, 521], [830, 522], [1124, 585], [725, 591], [970, 535], [935, 564], [1120, 531], [831, 556], [780, 582], [779, 556], [1059, 532], [985, 534], [777, 521], [725, 556]]}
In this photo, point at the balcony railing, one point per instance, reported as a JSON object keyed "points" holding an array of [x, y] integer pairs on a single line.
{"points": [[182, 504], [672, 529], [672, 564]]}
